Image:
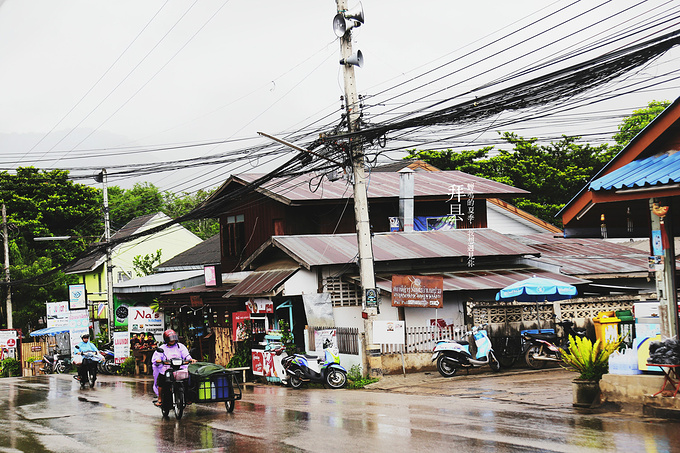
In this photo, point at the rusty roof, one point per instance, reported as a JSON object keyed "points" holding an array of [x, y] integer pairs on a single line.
{"points": [[587, 256], [477, 280], [435, 184], [261, 283], [319, 250]]}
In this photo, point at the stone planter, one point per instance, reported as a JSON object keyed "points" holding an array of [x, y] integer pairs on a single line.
{"points": [[585, 392]]}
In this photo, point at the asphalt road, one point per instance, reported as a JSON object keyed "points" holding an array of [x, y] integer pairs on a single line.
{"points": [[507, 412]]}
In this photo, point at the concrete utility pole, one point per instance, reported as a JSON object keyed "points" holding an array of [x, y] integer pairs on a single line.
{"points": [[363, 227], [665, 276], [109, 267], [9, 288]]}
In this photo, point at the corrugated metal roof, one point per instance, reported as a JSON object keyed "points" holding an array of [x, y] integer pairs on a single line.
{"points": [[586, 256], [652, 171], [204, 253], [261, 283], [382, 185], [319, 250], [487, 279]]}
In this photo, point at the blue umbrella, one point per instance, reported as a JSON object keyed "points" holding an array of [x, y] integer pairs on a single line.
{"points": [[537, 289]]}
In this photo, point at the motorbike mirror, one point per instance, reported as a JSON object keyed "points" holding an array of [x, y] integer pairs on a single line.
{"points": [[160, 350], [77, 347]]}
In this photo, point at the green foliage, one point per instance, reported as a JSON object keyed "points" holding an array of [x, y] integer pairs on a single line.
{"points": [[633, 124], [356, 379], [144, 265], [287, 338], [588, 359], [128, 366], [176, 206], [101, 339], [10, 367], [125, 205]]}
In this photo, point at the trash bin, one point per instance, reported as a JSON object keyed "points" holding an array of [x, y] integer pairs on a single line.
{"points": [[626, 326], [606, 326]]}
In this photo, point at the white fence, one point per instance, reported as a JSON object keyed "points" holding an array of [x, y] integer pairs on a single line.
{"points": [[423, 339]]}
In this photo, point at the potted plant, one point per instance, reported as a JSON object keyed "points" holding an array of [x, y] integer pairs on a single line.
{"points": [[591, 361]]}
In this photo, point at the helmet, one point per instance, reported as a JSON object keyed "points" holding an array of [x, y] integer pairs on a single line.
{"points": [[169, 335], [85, 335]]}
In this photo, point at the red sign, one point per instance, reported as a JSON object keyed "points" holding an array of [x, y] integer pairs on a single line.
{"points": [[258, 363], [418, 291], [238, 325], [36, 348], [196, 301]]}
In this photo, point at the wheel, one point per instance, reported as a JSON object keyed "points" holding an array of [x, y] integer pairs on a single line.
{"points": [[59, 367], [529, 357], [93, 375], [445, 367], [166, 405], [179, 402], [295, 382], [494, 364], [110, 366], [336, 379], [508, 351], [230, 405]]}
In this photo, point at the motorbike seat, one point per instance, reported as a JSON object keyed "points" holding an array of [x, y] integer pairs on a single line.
{"points": [[543, 336], [310, 356], [463, 342]]}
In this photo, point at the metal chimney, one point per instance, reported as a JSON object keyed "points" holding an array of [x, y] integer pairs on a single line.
{"points": [[406, 191]]}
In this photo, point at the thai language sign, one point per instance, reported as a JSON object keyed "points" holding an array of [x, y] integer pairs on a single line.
{"points": [[417, 291]]}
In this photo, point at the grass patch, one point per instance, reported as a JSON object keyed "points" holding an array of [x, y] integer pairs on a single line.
{"points": [[356, 379]]}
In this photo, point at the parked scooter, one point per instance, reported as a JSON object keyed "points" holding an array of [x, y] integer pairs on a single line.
{"points": [[57, 363], [542, 348], [108, 365], [451, 355], [301, 368]]}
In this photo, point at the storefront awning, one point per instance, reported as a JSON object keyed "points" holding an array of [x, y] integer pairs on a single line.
{"points": [[261, 283], [49, 331]]}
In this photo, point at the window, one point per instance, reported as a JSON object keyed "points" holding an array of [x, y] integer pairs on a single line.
{"points": [[235, 235], [343, 294]]}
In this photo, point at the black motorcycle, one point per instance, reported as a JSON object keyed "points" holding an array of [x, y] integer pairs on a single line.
{"points": [[174, 391], [542, 348], [57, 363], [87, 373], [108, 365]]}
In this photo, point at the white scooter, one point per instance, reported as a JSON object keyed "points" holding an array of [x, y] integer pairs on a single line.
{"points": [[452, 355]]}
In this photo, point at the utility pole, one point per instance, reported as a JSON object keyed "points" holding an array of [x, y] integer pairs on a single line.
{"points": [[9, 288], [363, 227], [109, 268]]}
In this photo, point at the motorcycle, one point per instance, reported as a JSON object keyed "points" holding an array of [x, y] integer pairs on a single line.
{"points": [[174, 394], [88, 374], [58, 363], [328, 371], [451, 355], [108, 365], [546, 347]]}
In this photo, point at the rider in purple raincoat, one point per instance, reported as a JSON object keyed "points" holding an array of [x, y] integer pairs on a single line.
{"points": [[172, 349]]}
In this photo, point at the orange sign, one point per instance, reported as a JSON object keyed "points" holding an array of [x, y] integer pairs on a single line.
{"points": [[417, 291]]}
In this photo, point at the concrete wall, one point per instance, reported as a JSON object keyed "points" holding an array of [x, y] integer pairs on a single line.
{"points": [[422, 361]]}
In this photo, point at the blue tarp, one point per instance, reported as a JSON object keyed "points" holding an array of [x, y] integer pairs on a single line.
{"points": [[49, 331]]}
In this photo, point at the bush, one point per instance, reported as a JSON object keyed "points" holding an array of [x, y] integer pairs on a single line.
{"points": [[356, 380], [591, 360], [128, 366], [10, 367]]}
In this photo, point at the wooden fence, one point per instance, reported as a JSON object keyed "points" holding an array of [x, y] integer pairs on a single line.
{"points": [[346, 337], [423, 338]]}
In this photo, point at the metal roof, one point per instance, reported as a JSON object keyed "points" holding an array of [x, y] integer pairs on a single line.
{"points": [[320, 250], [261, 283], [163, 281], [381, 185], [198, 256], [487, 279], [652, 171]]}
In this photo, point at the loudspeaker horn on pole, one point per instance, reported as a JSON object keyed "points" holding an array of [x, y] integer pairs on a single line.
{"points": [[356, 59], [356, 13], [344, 22]]}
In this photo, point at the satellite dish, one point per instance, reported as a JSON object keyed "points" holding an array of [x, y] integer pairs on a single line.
{"points": [[356, 59]]}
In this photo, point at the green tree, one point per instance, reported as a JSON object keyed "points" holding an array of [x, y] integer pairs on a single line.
{"points": [[144, 265], [44, 203], [125, 205], [633, 124], [175, 206]]}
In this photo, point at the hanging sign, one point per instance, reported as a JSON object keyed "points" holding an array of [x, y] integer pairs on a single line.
{"points": [[417, 291], [77, 298]]}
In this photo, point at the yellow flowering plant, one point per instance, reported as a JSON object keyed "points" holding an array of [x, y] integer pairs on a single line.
{"points": [[591, 360]]}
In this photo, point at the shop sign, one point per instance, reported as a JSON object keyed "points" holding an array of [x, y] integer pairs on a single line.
{"points": [[77, 298], [57, 314], [239, 326], [78, 324], [37, 348], [144, 319], [260, 306], [267, 364], [121, 346], [196, 301], [417, 291]]}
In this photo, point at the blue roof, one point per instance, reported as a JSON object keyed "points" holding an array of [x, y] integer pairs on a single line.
{"points": [[49, 331], [652, 171]]}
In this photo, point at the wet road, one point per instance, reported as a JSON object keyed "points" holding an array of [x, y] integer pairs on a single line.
{"points": [[467, 413]]}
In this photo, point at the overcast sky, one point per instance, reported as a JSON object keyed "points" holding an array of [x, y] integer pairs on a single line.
{"points": [[101, 83]]}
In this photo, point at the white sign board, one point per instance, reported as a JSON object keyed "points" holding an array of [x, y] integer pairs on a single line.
{"points": [[144, 319], [9, 340], [326, 338], [389, 332], [78, 324], [121, 346], [57, 314]]}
